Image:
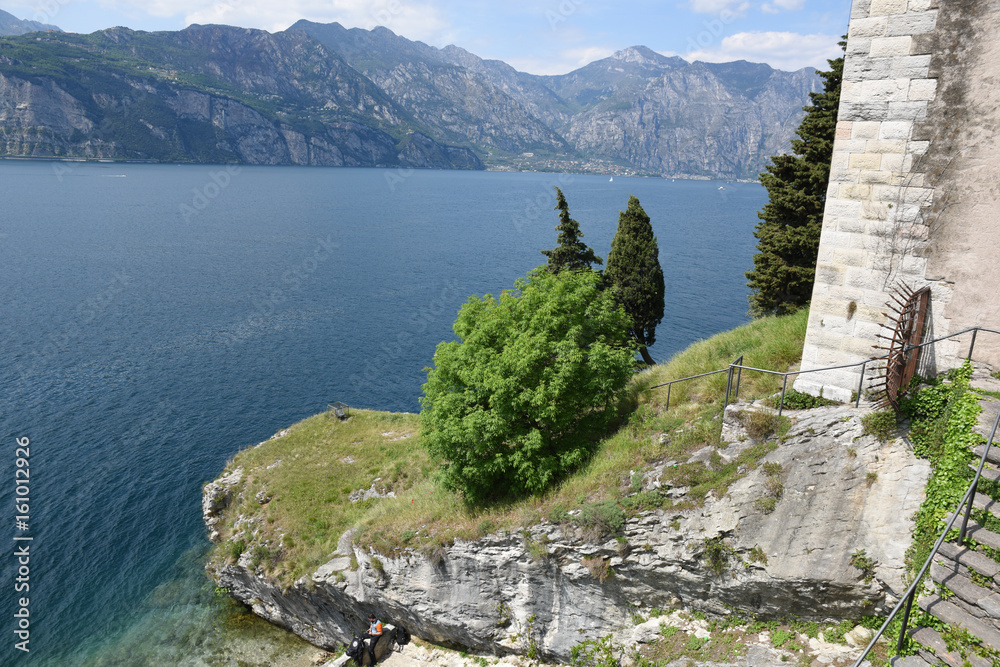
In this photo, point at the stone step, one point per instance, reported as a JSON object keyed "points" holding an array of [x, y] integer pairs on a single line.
{"points": [[946, 573], [994, 455], [953, 614], [970, 560], [909, 661], [983, 536], [939, 651], [977, 600], [989, 472], [984, 502]]}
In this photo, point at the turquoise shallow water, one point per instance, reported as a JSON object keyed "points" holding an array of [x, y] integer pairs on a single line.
{"points": [[158, 318]]}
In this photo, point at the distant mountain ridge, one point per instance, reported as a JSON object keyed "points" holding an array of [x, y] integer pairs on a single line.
{"points": [[322, 94], [11, 25]]}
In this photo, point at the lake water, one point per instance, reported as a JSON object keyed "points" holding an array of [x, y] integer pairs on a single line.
{"points": [[158, 318]]}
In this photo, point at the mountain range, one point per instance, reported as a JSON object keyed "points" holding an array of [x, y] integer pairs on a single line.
{"points": [[322, 94]]}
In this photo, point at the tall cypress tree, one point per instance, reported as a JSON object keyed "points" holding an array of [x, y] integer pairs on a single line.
{"points": [[571, 253], [635, 276], [789, 228]]}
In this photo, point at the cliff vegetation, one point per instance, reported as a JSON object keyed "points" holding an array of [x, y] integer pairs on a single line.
{"points": [[301, 490]]}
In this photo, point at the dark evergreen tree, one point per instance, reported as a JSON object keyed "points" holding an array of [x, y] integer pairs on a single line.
{"points": [[789, 228], [635, 276], [571, 253]]}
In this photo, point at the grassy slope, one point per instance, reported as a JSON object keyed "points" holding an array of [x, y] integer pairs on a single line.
{"points": [[323, 461]]}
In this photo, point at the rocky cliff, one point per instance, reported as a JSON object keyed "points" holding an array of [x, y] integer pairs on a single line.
{"points": [[547, 587], [323, 95]]}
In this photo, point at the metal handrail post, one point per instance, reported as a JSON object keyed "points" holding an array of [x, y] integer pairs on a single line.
{"points": [[729, 385], [973, 344], [739, 377], [669, 387], [968, 511], [784, 386], [861, 384], [906, 619]]}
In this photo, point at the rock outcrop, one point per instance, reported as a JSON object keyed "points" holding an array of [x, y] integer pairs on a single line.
{"points": [[547, 588]]}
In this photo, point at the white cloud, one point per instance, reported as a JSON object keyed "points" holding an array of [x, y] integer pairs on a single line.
{"points": [[779, 5], [719, 6], [781, 50], [567, 61]]}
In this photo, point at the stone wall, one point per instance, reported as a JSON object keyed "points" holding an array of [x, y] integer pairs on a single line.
{"points": [[912, 185]]}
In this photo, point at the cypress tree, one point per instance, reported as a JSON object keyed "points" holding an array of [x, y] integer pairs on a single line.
{"points": [[571, 253], [635, 276], [790, 223]]}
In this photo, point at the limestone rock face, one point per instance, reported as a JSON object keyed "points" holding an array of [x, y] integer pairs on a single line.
{"points": [[842, 492]]}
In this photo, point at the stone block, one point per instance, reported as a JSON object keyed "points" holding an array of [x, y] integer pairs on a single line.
{"points": [[890, 47], [860, 68], [863, 278], [918, 147], [918, 196], [840, 159], [848, 257], [864, 111], [885, 193], [885, 90], [895, 129], [916, 111], [868, 27], [859, 9], [883, 146], [860, 46], [892, 163], [843, 208], [840, 175], [911, 23], [884, 7], [830, 275], [865, 161], [855, 191], [852, 225], [863, 129], [911, 67], [851, 146], [844, 129], [921, 5], [922, 89], [869, 177]]}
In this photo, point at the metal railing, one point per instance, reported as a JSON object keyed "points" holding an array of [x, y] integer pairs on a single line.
{"points": [[906, 602], [737, 368]]}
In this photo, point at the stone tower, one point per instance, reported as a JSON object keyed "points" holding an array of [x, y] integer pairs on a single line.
{"points": [[914, 193]]}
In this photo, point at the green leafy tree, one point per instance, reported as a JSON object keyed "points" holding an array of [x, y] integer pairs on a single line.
{"points": [[790, 223], [571, 253], [635, 276], [534, 379]]}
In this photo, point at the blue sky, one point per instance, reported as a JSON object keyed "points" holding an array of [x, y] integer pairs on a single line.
{"points": [[537, 36]]}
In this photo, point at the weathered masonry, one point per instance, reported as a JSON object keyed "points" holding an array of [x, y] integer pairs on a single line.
{"points": [[914, 193]]}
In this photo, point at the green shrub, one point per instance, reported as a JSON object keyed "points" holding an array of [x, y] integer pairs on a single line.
{"points": [[881, 424], [798, 400], [601, 519], [524, 394]]}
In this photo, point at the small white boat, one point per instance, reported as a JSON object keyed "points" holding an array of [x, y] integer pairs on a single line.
{"points": [[721, 188], [611, 180]]}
